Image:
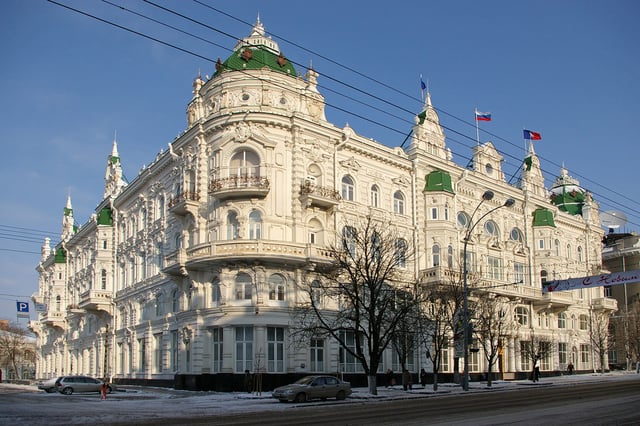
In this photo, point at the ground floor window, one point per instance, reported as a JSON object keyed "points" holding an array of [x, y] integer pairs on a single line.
{"points": [[584, 355], [173, 351], [316, 355], [525, 361], [157, 352], [562, 355], [244, 349], [348, 362], [216, 350], [275, 349], [444, 359]]}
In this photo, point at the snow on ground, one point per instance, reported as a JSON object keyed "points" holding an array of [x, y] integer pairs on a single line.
{"points": [[136, 402]]}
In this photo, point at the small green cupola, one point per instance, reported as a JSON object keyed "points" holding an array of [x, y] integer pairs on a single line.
{"points": [[60, 256], [105, 217], [256, 52], [438, 180], [543, 217], [567, 194]]}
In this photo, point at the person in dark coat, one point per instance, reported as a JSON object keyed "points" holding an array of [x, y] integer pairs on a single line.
{"points": [[248, 381], [389, 378], [406, 380], [423, 378]]}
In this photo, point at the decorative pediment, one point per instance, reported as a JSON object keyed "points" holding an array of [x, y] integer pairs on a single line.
{"points": [[401, 181], [351, 164]]}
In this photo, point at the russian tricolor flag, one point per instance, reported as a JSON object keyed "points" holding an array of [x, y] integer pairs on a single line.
{"points": [[531, 135], [483, 116]]}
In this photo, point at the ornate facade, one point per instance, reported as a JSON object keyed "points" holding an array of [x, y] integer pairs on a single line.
{"points": [[186, 276]]}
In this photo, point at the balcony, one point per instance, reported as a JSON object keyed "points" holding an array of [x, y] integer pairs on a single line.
{"points": [[96, 300], [184, 203], [605, 303], [54, 319], [312, 195], [174, 263], [239, 187], [205, 256]]}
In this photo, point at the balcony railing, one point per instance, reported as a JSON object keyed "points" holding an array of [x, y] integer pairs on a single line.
{"points": [[239, 187], [94, 300], [186, 202], [319, 196]]}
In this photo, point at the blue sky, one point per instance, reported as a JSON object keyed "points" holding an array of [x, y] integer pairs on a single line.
{"points": [[569, 69]]}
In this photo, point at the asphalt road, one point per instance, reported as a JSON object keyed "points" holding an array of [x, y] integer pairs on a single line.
{"points": [[606, 403]]}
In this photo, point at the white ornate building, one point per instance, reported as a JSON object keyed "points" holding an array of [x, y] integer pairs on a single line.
{"points": [[186, 275]]}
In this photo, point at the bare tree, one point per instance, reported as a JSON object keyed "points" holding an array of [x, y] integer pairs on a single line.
{"points": [[492, 322], [360, 298], [634, 331], [438, 323], [16, 352], [599, 336], [535, 347]]}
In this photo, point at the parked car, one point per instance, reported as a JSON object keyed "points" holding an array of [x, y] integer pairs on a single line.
{"points": [[70, 384], [311, 387], [49, 386]]}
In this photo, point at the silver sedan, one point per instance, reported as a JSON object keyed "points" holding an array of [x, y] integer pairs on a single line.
{"points": [[311, 387]]}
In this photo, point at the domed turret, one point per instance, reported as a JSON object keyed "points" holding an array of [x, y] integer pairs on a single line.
{"points": [[567, 194]]}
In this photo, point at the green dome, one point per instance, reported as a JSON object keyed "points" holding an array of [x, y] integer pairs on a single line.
{"points": [[254, 53]]}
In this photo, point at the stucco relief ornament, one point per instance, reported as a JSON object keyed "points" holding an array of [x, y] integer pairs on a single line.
{"points": [[243, 132]]}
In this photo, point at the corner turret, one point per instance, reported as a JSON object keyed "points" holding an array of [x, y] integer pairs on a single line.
{"points": [[113, 179]]}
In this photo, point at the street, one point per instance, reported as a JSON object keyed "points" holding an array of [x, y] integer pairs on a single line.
{"points": [[587, 400]]}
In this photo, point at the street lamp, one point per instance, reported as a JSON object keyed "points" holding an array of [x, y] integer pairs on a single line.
{"points": [[487, 196]]}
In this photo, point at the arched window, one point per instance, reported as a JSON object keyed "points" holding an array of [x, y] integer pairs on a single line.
{"points": [[435, 253], [348, 188], [255, 225], [233, 226], [491, 229], [569, 251], [375, 196], [191, 185], [450, 256], [349, 240], [584, 322], [522, 315], [579, 253], [556, 246], [276, 287], [160, 212], [398, 202], [562, 320], [376, 247], [315, 232], [216, 293], [463, 220], [243, 287], [516, 235], [244, 163], [401, 253], [58, 300], [159, 303], [543, 277], [175, 300]]}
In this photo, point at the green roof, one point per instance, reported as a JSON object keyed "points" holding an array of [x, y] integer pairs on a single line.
{"points": [[543, 217], [438, 180], [60, 255], [255, 58], [570, 202], [105, 217]]}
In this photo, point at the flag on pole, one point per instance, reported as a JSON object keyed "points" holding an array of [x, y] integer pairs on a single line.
{"points": [[531, 135], [483, 116], [422, 85]]}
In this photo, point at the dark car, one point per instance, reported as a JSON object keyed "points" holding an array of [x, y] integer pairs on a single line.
{"points": [[70, 384], [311, 387]]}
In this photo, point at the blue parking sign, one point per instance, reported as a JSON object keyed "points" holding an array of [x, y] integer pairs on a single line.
{"points": [[23, 307]]}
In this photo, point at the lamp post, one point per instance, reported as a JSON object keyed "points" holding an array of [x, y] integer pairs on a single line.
{"points": [[486, 196]]}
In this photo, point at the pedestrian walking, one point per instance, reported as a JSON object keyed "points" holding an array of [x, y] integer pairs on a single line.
{"points": [[570, 368], [103, 391], [389, 378], [536, 369], [423, 378], [638, 367], [248, 381]]}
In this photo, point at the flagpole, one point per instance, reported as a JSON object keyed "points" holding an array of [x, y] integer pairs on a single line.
{"points": [[475, 117]]}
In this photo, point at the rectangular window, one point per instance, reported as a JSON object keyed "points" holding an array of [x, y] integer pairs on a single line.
{"points": [[312, 237], [142, 350], [157, 352], [541, 244], [525, 360], [584, 355], [316, 354], [173, 351], [494, 268], [244, 349], [474, 359], [122, 358], [562, 355], [518, 272], [275, 349], [434, 213], [470, 261], [348, 362], [216, 350], [444, 360]]}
